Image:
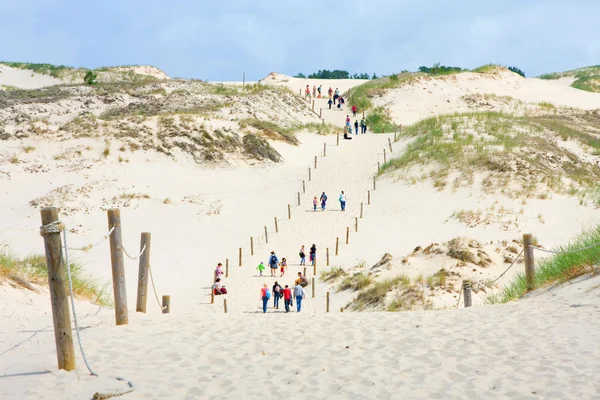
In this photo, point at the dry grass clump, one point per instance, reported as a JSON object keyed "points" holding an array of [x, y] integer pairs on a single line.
{"points": [[259, 149], [355, 282], [468, 251], [132, 196], [332, 274]]}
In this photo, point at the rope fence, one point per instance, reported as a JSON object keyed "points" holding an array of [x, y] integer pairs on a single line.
{"points": [[565, 251]]}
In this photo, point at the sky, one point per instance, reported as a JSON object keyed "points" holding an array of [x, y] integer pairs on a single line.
{"points": [[220, 40]]}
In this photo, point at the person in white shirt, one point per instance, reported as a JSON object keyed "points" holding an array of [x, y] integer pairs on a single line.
{"points": [[343, 201]]}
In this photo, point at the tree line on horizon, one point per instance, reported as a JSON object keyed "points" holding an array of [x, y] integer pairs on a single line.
{"points": [[335, 74]]}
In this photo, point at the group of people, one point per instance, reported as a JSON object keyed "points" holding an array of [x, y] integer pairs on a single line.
{"points": [[348, 130], [323, 201], [218, 288]]}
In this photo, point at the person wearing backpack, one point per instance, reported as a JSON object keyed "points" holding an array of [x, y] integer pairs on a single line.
{"points": [[277, 293], [302, 255], [313, 254], [265, 295], [287, 298], [363, 126], [343, 201], [323, 201], [273, 263], [298, 295]]}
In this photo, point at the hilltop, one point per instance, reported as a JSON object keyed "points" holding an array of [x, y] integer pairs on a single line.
{"points": [[586, 78]]}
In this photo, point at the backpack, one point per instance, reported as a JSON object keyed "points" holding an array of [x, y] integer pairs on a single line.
{"points": [[278, 289], [268, 293]]}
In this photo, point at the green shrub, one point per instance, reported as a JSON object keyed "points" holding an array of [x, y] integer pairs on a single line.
{"points": [[379, 121], [437, 69], [90, 78], [517, 71]]}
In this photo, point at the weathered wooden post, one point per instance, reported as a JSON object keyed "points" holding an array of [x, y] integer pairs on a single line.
{"points": [[309, 175], [361, 208], [324, 149], [225, 305], [304, 272], [368, 197], [300, 92], [227, 268], [142, 293], [166, 304], [529, 261], [327, 301], [276, 227], [384, 157], [378, 166], [240, 256], [303, 187], [212, 294], [320, 113], [251, 246], [298, 198], [347, 234], [395, 135], [337, 245], [327, 253], [338, 138], [313, 105], [289, 212], [363, 113], [315, 162], [390, 143], [266, 235], [315, 267], [313, 288], [59, 292], [355, 224], [341, 309], [466, 286], [118, 268], [374, 182]]}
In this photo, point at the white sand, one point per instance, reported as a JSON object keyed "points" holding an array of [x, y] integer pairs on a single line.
{"points": [[25, 79], [542, 345]]}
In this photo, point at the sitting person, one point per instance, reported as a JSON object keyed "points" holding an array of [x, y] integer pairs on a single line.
{"points": [[218, 288], [346, 136], [302, 281]]}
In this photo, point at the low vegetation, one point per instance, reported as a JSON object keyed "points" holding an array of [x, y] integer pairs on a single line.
{"points": [[355, 282], [558, 268], [587, 78], [332, 274], [56, 71], [30, 271], [437, 69], [335, 74]]}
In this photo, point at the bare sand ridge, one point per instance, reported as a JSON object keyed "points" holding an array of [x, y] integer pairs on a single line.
{"points": [[198, 352]]}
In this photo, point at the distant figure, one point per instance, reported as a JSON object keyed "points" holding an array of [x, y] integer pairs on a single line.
{"points": [[343, 201], [347, 120], [307, 92], [323, 201], [313, 254], [287, 298], [273, 263], [298, 296], [336, 95], [330, 103], [363, 126], [260, 268], [265, 295], [302, 255], [346, 136], [330, 92], [218, 271], [217, 287], [314, 91], [315, 202], [283, 267], [319, 91], [277, 293], [356, 126], [354, 109], [342, 102], [302, 281]]}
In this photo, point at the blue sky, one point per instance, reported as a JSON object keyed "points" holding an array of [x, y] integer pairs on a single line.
{"points": [[218, 40]]}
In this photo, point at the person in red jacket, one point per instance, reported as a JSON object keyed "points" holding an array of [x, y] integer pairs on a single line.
{"points": [[287, 298], [354, 109]]}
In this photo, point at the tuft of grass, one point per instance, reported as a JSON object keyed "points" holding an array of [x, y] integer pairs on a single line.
{"points": [[487, 68], [28, 149], [558, 268], [545, 104], [271, 130], [56, 71], [131, 196], [32, 270], [355, 282], [14, 159], [259, 148], [375, 294], [332, 274]]}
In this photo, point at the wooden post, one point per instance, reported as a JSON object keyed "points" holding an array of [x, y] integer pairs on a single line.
{"points": [[303, 187], [341, 309], [289, 212], [142, 293], [315, 268], [244, 80], [384, 157], [276, 227], [166, 304], [374, 182], [355, 224], [320, 113], [309, 175], [378, 166], [466, 286], [324, 149], [251, 246], [212, 294], [361, 209], [337, 245], [225, 305], [315, 162], [395, 136], [298, 198], [529, 261], [327, 253], [313, 288], [240, 257], [59, 293], [363, 113], [327, 301], [368, 197], [300, 92], [347, 234], [304, 271], [118, 268], [390, 143], [313, 106], [338, 138], [227, 268]]}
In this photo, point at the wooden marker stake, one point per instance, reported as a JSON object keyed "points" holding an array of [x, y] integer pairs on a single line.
{"points": [[355, 224], [266, 235], [324, 149], [144, 264], [338, 138], [390, 143], [466, 286], [529, 261], [251, 246], [337, 245], [327, 253], [212, 294], [320, 113], [374, 182], [327, 301], [347, 234], [298, 198], [384, 157], [313, 288], [361, 208], [289, 212], [276, 227], [240, 257], [304, 272], [315, 162], [227, 268], [303, 187], [309, 175], [166, 304], [368, 197], [118, 267], [225, 305], [59, 293]]}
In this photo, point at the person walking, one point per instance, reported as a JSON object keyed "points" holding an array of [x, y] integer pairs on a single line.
{"points": [[273, 263], [323, 201], [356, 126], [283, 267], [218, 271], [319, 91], [343, 201], [329, 102], [336, 95], [287, 298], [313, 254], [330, 93], [341, 101], [298, 296], [277, 293], [354, 109], [302, 255], [307, 92], [363, 126], [265, 295], [314, 91]]}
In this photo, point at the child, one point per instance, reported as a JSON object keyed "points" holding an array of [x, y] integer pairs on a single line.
{"points": [[218, 271], [260, 268], [283, 266], [302, 255], [315, 203]]}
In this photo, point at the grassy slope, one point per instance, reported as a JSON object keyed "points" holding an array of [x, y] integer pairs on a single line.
{"points": [[32, 269], [587, 78]]}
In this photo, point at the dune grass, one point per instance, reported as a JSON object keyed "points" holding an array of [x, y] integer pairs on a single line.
{"points": [[375, 294], [32, 269], [587, 78], [56, 71], [558, 268], [355, 282], [332, 274]]}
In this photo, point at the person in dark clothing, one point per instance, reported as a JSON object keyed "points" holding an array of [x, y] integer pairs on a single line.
{"points": [[356, 127], [346, 136], [277, 293], [313, 254], [330, 103]]}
